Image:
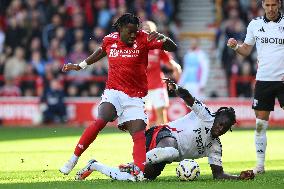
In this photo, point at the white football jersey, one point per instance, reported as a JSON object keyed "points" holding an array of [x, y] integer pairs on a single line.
{"points": [[194, 137], [269, 39]]}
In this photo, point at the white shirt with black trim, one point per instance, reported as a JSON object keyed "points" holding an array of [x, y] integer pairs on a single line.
{"points": [[194, 137], [269, 39]]}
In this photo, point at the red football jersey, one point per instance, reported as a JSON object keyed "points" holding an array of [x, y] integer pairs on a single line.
{"points": [[156, 58], [128, 65]]}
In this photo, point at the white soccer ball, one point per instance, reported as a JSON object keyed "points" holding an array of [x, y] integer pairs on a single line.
{"points": [[187, 170]]}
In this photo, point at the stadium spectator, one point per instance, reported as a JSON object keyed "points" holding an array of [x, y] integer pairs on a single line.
{"points": [[10, 89], [127, 52], [52, 103], [15, 65], [195, 70], [157, 97], [193, 136], [267, 33]]}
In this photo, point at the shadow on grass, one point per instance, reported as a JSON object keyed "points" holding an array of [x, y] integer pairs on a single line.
{"points": [[271, 179], [19, 133]]}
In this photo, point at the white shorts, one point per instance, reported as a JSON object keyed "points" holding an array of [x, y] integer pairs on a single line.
{"points": [[156, 98], [127, 108]]}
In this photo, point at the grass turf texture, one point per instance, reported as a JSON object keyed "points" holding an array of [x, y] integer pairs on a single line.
{"points": [[30, 158]]}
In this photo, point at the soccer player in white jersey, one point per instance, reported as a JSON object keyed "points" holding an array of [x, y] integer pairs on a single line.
{"points": [[193, 136], [267, 33]]}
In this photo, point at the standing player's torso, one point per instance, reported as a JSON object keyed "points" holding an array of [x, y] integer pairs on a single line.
{"points": [[269, 38], [127, 65], [154, 73], [193, 136]]}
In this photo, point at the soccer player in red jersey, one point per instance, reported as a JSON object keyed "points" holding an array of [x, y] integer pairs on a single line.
{"points": [[127, 52], [157, 96]]}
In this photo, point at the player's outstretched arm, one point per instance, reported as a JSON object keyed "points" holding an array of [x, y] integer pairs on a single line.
{"points": [[96, 56], [218, 173], [168, 44], [243, 49], [180, 91]]}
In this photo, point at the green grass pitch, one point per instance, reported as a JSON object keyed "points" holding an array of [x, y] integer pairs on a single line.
{"points": [[30, 158]]}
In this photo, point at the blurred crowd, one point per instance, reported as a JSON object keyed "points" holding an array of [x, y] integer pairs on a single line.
{"points": [[38, 36], [236, 16]]}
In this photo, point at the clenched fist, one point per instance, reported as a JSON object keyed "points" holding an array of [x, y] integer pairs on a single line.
{"points": [[232, 43]]}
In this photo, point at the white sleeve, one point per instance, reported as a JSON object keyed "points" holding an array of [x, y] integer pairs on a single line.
{"points": [[250, 40], [202, 111], [215, 153]]}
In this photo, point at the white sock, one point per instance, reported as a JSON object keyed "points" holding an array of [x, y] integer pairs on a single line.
{"points": [[260, 141], [112, 172], [74, 158], [157, 155]]}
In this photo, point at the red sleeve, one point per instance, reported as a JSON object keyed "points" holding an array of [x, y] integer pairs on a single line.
{"points": [[104, 44], [165, 57], [154, 44]]}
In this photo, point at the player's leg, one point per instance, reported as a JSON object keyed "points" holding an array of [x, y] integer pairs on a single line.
{"points": [[264, 100], [111, 172], [161, 145], [160, 103], [106, 113], [134, 119], [152, 171], [165, 151], [136, 129]]}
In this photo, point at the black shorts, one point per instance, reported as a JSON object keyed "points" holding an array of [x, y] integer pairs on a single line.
{"points": [[160, 132], [153, 136], [265, 93]]}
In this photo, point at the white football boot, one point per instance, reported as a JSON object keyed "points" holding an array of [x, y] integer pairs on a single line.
{"points": [[67, 167]]}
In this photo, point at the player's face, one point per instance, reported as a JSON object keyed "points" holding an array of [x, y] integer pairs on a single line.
{"points": [[128, 33], [221, 126], [271, 8]]}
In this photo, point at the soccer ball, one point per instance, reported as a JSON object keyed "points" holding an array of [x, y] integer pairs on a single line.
{"points": [[187, 170]]}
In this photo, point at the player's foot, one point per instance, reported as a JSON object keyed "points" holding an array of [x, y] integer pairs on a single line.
{"points": [[67, 167], [258, 170], [85, 172]]}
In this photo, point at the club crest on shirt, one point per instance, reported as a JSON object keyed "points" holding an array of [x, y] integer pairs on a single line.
{"points": [[281, 29]]}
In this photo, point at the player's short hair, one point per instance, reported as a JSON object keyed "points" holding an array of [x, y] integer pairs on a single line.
{"points": [[125, 19], [229, 112]]}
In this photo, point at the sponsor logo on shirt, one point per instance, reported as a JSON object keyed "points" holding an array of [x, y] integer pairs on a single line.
{"points": [[271, 40], [124, 53], [261, 29]]}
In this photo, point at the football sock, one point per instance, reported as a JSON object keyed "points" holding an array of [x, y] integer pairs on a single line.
{"points": [[74, 158], [139, 149], [166, 154], [260, 141], [89, 135], [112, 172]]}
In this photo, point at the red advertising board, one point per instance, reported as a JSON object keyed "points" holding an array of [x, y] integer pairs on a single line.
{"points": [[26, 111]]}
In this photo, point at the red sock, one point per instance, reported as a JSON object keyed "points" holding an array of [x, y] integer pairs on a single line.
{"points": [[89, 135], [139, 149]]}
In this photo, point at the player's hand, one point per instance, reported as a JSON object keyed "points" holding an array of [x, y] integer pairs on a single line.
{"points": [[232, 43], [247, 175], [155, 35], [70, 66], [172, 86]]}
